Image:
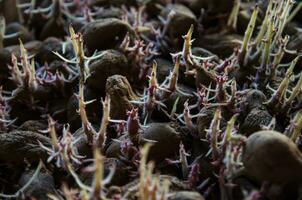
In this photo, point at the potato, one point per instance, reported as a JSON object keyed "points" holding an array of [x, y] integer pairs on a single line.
{"points": [[166, 145], [181, 21], [19, 145], [120, 177], [42, 185], [112, 63], [104, 34], [186, 195], [121, 94], [212, 6], [15, 27], [255, 121], [271, 156]]}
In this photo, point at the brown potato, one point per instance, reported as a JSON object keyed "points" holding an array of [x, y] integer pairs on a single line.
{"points": [[42, 185], [19, 145], [111, 63], [271, 156], [23, 32], [181, 20], [186, 195], [104, 33], [256, 119], [121, 94], [120, 177], [166, 143]]}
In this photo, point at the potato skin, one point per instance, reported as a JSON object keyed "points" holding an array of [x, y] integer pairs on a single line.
{"points": [[271, 156], [104, 34], [112, 62], [18, 145], [166, 145]]}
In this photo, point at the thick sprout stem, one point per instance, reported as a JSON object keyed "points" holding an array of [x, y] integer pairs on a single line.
{"points": [[297, 126], [214, 132], [279, 56], [228, 131], [28, 75], [98, 175], [187, 116], [267, 44], [96, 190], [88, 129], [233, 18], [221, 94], [53, 134], [247, 37], [77, 43], [173, 79], [149, 186], [24, 61], [183, 160], [187, 43], [263, 72], [294, 12], [133, 125], [16, 74], [101, 135], [165, 190], [153, 78], [263, 27], [187, 51], [293, 131], [32, 82], [232, 100], [174, 76], [142, 170], [280, 93], [296, 91], [283, 20]]}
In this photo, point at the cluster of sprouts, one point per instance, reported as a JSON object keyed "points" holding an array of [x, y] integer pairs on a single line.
{"points": [[97, 190], [226, 150], [293, 131], [97, 138], [63, 150], [136, 19], [26, 76], [58, 8], [183, 161], [269, 45], [150, 100], [81, 61], [65, 155], [281, 98], [150, 186], [139, 53], [258, 60]]}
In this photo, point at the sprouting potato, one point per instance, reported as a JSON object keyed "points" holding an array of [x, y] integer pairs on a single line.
{"points": [[150, 99]]}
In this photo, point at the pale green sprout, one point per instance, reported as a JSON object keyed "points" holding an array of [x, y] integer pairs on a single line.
{"points": [[247, 37], [233, 18]]}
